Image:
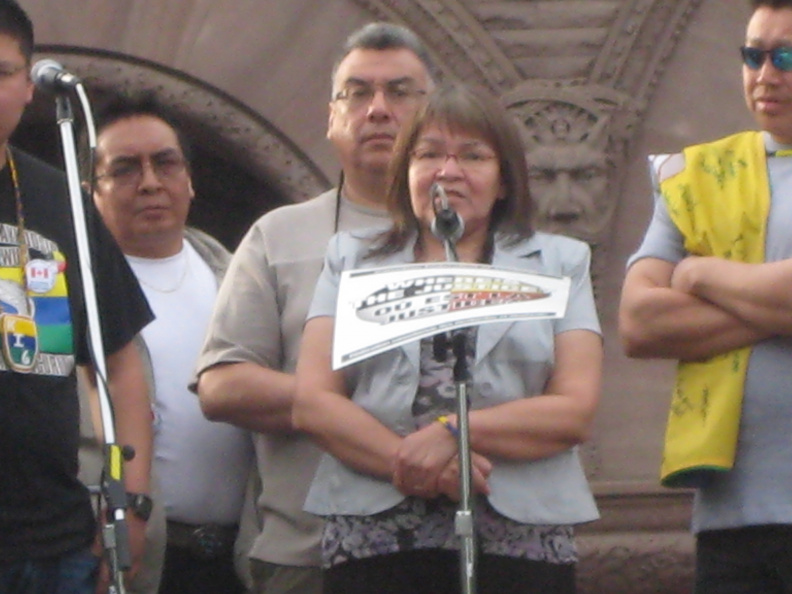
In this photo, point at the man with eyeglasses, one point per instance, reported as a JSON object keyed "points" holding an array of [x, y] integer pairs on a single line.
{"points": [[246, 369], [47, 528], [710, 286], [143, 191]]}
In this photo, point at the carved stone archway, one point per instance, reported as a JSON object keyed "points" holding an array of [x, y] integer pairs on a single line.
{"points": [[242, 165]]}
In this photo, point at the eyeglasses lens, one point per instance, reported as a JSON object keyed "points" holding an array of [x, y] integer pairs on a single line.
{"points": [[780, 57]]}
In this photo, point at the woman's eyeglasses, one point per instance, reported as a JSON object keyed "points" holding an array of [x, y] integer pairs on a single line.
{"points": [[471, 159], [780, 57]]}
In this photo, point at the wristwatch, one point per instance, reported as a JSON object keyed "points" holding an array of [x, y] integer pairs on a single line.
{"points": [[140, 505]]}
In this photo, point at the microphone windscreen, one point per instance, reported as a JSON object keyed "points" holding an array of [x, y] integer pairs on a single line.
{"points": [[44, 71]]}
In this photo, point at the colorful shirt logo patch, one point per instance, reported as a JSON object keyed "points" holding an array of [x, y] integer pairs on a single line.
{"points": [[38, 333], [20, 342]]}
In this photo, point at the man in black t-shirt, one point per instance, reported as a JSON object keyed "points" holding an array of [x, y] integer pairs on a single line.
{"points": [[46, 522]]}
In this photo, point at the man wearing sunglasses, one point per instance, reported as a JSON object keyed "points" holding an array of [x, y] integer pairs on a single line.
{"points": [[711, 286]]}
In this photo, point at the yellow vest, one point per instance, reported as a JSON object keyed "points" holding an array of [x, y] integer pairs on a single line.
{"points": [[720, 202]]}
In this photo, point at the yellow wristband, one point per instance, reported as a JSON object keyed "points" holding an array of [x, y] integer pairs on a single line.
{"points": [[446, 422]]}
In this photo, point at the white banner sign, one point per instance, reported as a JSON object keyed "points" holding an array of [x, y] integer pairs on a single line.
{"points": [[382, 308]]}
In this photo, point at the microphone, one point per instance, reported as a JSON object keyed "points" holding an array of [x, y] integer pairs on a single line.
{"points": [[447, 225], [50, 75]]}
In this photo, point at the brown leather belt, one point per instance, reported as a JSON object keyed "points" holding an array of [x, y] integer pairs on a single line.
{"points": [[206, 541]]}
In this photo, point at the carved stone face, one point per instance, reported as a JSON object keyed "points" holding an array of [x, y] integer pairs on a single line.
{"points": [[569, 186], [568, 168]]}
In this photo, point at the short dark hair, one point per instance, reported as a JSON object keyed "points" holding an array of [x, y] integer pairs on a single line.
{"points": [[465, 109], [385, 36], [125, 107], [756, 4], [15, 23]]}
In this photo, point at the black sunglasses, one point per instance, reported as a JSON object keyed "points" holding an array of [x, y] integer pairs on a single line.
{"points": [[780, 57]]}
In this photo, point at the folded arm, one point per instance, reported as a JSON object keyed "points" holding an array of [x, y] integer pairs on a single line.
{"points": [[248, 395], [544, 425], [240, 378], [758, 294], [322, 409], [523, 429], [661, 318], [423, 463]]}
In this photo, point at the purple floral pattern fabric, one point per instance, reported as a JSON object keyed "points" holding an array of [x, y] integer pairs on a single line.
{"points": [[429, 524]]}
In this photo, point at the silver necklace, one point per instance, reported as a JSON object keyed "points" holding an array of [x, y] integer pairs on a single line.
{"points": [[178, 284]]}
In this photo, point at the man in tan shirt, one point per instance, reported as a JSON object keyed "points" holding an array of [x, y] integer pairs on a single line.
{"points": [[245, 373]]}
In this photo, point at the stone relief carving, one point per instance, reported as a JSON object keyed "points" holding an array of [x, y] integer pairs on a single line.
{"points": [[568, 170], [575, 139]]}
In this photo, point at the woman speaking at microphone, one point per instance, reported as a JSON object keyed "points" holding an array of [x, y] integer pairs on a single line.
{"points": [[389, 481]]}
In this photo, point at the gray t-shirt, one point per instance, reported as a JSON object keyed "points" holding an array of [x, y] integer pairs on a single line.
{"points": [[757, 490]]}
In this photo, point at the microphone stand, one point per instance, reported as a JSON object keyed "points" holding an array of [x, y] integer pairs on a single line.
{"points": [[448, 227], [115, 533]]}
